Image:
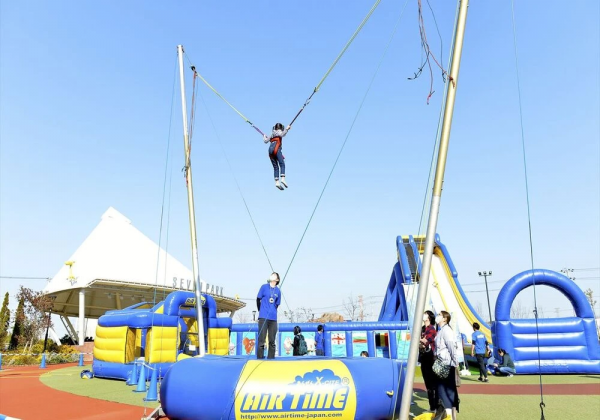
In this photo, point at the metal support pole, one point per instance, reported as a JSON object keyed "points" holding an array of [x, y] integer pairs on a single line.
{"points": [[47, 328], [81, 322], [191, 211], [451, 87]]}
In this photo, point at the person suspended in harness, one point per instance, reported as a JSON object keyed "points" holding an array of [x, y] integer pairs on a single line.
{"points": [[276, 155]]}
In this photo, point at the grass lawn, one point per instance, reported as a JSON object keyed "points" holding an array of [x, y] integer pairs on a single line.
{"points": [[533, 379], [68, 380], [524, 379], [473, 407], [519, 407]]}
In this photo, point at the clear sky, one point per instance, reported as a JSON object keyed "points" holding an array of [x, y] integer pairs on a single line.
{"points": [[85, 105]]}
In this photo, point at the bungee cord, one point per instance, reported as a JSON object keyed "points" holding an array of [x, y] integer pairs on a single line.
{"points": [[315, 90], [162, 214], [537, 332]]}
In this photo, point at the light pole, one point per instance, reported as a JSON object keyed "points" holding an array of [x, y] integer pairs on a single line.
{"points": [[568, 272], [47, 328], [485, 275]]}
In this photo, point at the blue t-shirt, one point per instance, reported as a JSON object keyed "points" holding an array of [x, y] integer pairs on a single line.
{"points": [[319, 340], [480, 342], [268, 309]]}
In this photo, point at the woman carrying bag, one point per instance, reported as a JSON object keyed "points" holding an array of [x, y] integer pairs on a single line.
{"points": [[445, 367]]}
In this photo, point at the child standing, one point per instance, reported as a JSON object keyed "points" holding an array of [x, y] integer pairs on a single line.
{"points": [[299, 343], [275, 153], [319, 342]]}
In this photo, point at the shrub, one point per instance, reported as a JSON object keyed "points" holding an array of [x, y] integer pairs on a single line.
{"points": [[67, 350], [20, 360], [57, 358]]}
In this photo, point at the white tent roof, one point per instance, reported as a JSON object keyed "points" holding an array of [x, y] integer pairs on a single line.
{"points": [[116, 250], [116, 266]]}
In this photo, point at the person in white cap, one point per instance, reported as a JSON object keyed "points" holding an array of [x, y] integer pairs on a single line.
{"points": [[267, 302]]}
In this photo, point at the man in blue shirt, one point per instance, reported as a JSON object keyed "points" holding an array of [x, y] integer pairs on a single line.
{"points": [[267, 302], [479, 349], [319, 342]]}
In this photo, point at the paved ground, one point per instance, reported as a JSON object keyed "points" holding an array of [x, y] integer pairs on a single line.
{"points": [[23, 396]]}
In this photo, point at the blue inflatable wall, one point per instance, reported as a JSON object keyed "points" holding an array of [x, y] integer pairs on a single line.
{"points": [[394, 304], [566, 345]]}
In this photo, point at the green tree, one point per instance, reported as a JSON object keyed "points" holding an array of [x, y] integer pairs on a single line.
{"points": [[18, 326], [35, 318], [4, 321]]}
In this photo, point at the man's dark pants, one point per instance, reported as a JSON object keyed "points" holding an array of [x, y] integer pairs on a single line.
{"points": [[482, 368], [264, 326]]}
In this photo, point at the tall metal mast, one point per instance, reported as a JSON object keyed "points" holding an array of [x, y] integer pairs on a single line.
{"points": [[434, 210], [192, 214]]}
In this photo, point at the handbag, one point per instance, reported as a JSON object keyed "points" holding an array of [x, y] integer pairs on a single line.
{"points": [[440, 368]]}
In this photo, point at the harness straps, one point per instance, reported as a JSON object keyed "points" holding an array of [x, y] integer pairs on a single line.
{"points": [[276, 140]]}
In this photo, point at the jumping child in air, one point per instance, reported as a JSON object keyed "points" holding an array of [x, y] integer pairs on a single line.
{"points": [[275, 153]]}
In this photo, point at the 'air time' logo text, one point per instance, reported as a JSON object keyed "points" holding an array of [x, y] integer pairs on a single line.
{"points": [[314, 391]]}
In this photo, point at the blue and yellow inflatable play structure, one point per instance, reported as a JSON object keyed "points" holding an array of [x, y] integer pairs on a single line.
{"points": [[547, 345], [229, 382], [160, 334]]}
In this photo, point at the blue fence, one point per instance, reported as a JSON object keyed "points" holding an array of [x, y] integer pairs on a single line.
{"points": [[342, 339]]}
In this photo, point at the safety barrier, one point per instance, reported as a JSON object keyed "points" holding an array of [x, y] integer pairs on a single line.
{"points": [[139, 378], [341, 339], [8, 359]]}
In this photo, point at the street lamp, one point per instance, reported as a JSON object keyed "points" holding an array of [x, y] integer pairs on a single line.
{"points": [[568, 272], [485, 275], [47, 328]]}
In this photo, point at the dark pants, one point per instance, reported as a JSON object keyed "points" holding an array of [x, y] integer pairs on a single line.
{"points": [[430, 382], [482, 369], [264, 326], [320, 352], [447, 392]]}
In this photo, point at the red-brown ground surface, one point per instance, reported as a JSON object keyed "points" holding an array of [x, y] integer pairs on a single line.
{"points": [[24, 396]]}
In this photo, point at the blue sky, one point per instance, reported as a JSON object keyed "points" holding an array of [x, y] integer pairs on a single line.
{"points": [[85, 105]]}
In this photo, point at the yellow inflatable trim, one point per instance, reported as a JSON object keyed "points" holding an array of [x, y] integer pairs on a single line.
{"points": [[218, 341]]}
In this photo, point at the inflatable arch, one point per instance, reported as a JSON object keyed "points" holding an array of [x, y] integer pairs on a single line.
{"points": [[566, 345], [160, 334]]}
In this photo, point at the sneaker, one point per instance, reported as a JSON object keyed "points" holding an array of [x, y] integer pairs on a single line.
{"points": [[480, 379], [440, 414], [486, 380], [278, 186], [283, 182], [510, 375]]}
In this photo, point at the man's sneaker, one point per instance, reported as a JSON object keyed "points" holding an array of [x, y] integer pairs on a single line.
{"points": [[510, 375], [486, 380], [283, 182], [278, 186], [480, 379]]}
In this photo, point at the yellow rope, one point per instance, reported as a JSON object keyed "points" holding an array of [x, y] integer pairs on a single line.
{"points": [[348, 43], [220, 96]]}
